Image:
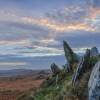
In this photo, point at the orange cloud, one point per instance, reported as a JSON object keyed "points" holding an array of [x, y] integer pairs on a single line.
{"points": [[61, 27], [54, 25], [20, 42], [94, 12]]}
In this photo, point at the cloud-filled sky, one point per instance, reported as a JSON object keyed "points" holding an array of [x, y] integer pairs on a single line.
{"points": [[32, 28]]}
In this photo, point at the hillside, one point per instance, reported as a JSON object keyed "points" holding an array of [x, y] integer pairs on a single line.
{"points": [[15, 72], [73, 81], [20, 83]]}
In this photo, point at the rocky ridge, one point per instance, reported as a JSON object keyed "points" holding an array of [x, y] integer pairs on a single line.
{"points": [[77, 80]]}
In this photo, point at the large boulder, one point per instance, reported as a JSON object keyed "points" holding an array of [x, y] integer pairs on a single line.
{"points": [[55, 69], [94, 83], [94, 52], [81, 67], [70, 55]]}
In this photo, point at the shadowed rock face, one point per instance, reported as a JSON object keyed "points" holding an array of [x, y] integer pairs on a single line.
{"points": [[94, 52], [67, 67], [94, 83], [55, 69], [81, 67], [70, 55]]}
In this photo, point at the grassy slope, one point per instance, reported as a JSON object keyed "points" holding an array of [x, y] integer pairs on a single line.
{"points": [[64, 89], [54, 92]]}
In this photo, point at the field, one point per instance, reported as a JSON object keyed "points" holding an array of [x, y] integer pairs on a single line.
{"points": [[13, 87]]}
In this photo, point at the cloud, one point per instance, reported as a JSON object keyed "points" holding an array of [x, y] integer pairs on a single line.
{"points": [[57, 26], [41, 52], [64, 20], [12, 63], [40, 35], [95, 3], [5, 42], [68, 19]]}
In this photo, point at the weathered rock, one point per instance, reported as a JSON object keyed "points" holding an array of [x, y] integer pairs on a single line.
{"points": [[55, 69], [81, 67], [94, 52], [94, 83], [69, 54], [67, 67]]}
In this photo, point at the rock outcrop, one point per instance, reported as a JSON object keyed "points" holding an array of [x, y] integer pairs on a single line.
{"points": [[94, 83], [94, 52], [70, 55], [81, 67], [63, 84], [67, 67], [55, 69]]}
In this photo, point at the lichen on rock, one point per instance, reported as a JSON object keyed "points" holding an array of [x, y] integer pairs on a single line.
{"points": [[94, 83]]}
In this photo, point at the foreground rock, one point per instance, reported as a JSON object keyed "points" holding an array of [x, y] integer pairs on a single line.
{"points": [[94, 83], [63, 85], [81, 67]]}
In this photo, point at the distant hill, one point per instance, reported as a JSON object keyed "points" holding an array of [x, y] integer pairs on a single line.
{"points": [[15, 72], [23, 72]]}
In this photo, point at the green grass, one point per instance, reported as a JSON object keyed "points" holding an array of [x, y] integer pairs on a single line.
{"points": [[64, 90], [55, 92]]}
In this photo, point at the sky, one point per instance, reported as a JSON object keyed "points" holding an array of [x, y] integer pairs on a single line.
{"points": [[31, 29]]}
